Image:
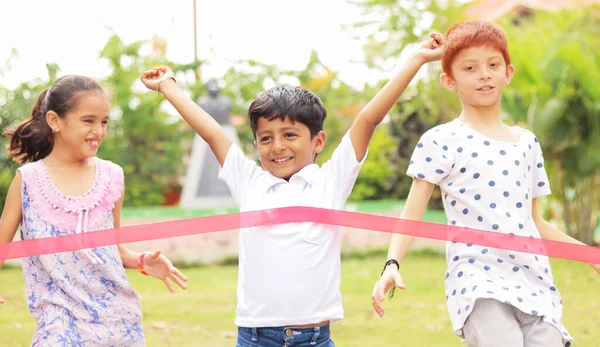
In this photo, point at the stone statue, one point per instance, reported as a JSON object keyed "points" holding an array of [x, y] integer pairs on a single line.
{"points": [[215, 104], [202, 187]]}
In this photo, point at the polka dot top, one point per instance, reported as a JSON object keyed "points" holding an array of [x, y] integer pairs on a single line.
{"points": [[489, 185]]}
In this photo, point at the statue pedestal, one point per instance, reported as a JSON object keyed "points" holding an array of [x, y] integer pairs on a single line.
{"points": [[202, 187]]}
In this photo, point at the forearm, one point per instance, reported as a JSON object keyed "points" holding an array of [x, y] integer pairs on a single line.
{"points": [[128, 257], [399, 243], [549, 232], [374, 112], [202, 123], [414, 209]]}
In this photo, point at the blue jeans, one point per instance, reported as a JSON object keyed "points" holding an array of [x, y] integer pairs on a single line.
{"points": [[284, 337]]}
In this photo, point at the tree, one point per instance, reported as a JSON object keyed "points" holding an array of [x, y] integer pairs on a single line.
{"points": [[391, 25], [420, 108], [143, 138], [391, 28], [15, 106], [555, 93]]}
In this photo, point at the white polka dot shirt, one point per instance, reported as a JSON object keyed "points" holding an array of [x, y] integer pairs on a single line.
{"points": [[489, 185]]}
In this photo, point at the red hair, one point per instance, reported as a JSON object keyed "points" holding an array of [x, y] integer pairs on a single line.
{"points": [[469, 34]]}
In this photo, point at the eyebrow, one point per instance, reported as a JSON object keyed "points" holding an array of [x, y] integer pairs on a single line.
{"points": [[476, 60], [94, 116], [270, 131]]}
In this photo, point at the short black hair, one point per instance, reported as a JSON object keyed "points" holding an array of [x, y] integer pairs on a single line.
{"points": [[297, 104]]}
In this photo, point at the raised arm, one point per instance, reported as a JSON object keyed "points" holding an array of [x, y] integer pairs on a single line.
{"points": [[373, 113], [204, 124], [11, 216]]}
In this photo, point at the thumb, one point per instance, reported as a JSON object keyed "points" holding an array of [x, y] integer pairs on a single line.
{"points": [[398, 280], [161, 68], [155, 255]]}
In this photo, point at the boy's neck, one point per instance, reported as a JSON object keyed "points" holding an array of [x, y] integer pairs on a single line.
{"points": [[482, 116]]}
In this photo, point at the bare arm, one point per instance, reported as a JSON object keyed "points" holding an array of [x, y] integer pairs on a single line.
{"points": [[414, 209], [371, 115], [549, 232], [155, 264], [128, 257], [202, 123], [12, 214]]}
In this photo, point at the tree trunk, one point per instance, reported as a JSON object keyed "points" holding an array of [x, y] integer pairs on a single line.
{"points": [[565, 202], [584, 210]]}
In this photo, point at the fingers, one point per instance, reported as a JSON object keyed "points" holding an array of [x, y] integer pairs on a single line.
{"points": [[152, 73], [377, 299], [162, 68], [168, 284], [437, 39], [177, 281], [178, 273]]}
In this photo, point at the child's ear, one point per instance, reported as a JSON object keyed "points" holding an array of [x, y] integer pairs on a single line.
{"points": [[447, 82], [510, 73], [52, 120], [319, 141]]}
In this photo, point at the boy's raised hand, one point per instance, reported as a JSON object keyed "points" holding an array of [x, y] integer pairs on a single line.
{"points": [[432, 49], [154, 76]]}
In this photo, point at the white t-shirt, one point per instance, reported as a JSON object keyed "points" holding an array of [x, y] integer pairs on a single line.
{"points": [[289, 274], [489, 185]]}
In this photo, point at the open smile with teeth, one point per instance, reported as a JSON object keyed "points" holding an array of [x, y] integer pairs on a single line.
{"points": [[485, 88], [93, 143], [282, 160]]}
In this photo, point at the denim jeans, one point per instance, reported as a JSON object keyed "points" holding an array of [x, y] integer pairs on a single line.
{"points": [[284, 337]]}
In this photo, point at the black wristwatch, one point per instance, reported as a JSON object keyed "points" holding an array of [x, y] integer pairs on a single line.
{"points": [[395, 262], [391, 261]]}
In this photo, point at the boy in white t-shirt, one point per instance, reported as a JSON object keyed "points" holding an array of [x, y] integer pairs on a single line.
{"points": [[289, 275], [490, 175]]}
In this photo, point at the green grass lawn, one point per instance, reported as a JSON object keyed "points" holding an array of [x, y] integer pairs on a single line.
{"points": [[203, 316]]}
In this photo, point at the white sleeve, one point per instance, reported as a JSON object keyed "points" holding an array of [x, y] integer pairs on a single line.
{"points": [[432, 159], [238, 172], [342, 168], [540, 185]]}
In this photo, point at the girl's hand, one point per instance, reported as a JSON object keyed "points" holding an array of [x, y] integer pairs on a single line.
{"points": [[153, 77], [159, 266]]}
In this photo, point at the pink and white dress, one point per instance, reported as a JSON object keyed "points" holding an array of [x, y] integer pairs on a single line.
{"points": [[80, 298]]}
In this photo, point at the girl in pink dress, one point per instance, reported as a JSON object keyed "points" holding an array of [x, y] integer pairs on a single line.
{"points": [[80, 298]]}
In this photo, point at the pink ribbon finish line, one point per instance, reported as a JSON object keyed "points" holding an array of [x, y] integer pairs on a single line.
{"points": [[203, 225]]}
